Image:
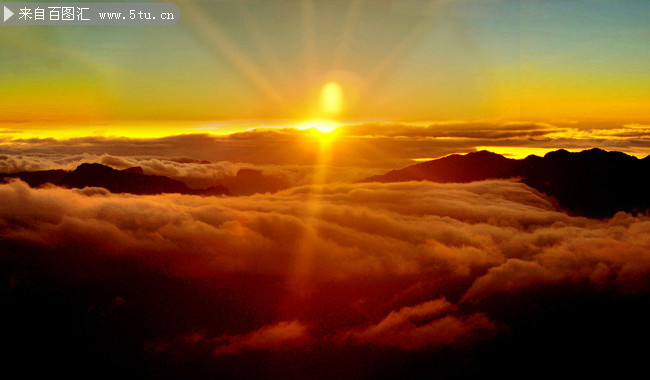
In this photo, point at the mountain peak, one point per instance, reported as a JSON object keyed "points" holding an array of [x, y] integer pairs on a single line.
{"points": [[557, 154], [593, 182], [87, 166], [134, 169], [131, 180], [589, 154], [483, 154]]}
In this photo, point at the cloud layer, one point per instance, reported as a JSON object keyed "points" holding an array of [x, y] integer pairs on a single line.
{"points": [[361, 275], [370, 145], [431, 254]]}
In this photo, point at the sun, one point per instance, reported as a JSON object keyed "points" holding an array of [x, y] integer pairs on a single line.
{"points": [[331, 105], [324, 126], [321, 126]]}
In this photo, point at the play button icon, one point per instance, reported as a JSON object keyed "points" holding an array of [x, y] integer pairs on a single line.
{"points": [[8, 14]]}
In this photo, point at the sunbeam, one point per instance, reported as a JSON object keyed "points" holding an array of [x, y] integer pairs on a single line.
{"points": [[212, 34]]}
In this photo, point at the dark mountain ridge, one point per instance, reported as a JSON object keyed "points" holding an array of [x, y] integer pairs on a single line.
{"points": [[250, 181], [593, 183], [131, 180]]}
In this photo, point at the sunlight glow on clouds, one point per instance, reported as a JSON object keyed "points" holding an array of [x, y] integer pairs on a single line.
{"points": [[419, 239], [365, 145]]}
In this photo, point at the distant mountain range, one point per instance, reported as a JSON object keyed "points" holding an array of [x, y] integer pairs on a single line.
{"points": [[131, 180], [593, 183], [252, 181]]}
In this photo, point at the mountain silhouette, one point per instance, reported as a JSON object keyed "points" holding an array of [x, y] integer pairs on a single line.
{"points": [[37, 178], [592, 183], [251, 181], [131, 180]]}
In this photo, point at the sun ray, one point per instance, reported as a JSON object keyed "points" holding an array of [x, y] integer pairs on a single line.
{"points": [[310, 60], [212, 34], [349, 26], [262, 44], [379, 71]]}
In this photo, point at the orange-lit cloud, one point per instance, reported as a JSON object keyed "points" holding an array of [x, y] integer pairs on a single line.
{"points": [[380, 146], [468, 243], [428, 324], [282, 335]]}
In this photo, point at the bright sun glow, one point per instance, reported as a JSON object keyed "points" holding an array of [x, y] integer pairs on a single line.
{"points": [[322, 126], [331, 99]]}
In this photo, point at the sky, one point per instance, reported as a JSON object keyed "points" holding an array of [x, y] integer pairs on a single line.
{"points": [[268, 62], [306, 270]]}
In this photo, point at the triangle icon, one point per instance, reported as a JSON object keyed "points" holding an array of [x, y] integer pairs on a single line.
{"points": [[8, 14]]}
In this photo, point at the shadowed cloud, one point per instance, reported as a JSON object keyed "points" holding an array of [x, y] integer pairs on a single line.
{"points": [[414, 266]]}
